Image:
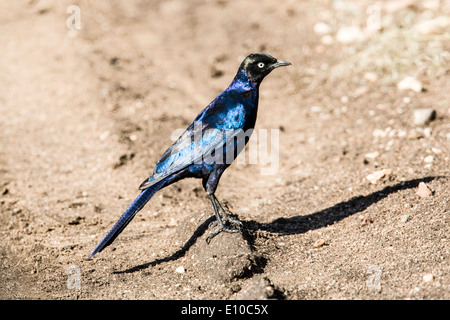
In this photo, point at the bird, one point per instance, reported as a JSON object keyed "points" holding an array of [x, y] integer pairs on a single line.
{"points": [[208, 146]]}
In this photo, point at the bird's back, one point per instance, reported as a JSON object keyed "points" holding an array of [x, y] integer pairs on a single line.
{"points": [[231, 113]]}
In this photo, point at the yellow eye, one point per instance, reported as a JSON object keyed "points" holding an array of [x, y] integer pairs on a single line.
{"points": [[261, 65]]}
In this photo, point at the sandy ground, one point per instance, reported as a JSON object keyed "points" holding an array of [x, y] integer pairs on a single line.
{"points": [[85, 115]]}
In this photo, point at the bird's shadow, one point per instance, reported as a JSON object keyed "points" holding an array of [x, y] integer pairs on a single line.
{"points": [[176, 255], [296, 224]]}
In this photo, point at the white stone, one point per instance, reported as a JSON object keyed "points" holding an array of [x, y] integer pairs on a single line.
{"points": [[180, 269], [372, 155], [322, 28], [350, 34], [423, 116], [410, 83], [377, 176], [428, 159], [371, 77], [429, 277]]}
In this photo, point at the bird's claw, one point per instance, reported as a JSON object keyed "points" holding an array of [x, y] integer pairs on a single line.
{"points": [[233, 221], [230, 224]]}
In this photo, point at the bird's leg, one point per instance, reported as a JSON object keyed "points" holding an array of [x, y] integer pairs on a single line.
{"points": [[221, 226], [217, 207], [225, 216]]}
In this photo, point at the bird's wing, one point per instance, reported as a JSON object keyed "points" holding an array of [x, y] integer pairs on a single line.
{"points": [[196, 144]]}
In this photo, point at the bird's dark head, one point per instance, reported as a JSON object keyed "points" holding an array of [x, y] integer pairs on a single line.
{"points": [[259, 65]]}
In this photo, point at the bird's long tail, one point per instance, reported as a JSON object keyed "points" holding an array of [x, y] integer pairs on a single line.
{"points": [[127, 216]]}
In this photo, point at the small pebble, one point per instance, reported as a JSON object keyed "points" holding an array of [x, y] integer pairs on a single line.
{"points": [[428, 277], [410, 83], [404, 218], [319, 243], [379, 133], [316, 109], [427, 132], [372, 155], [436, 150], [423, 116], [322, 28], [365, 221], [180, 269], [423, 191], [428, 159], [414, 134], [371, 77], [380, 175], [350, 34]]}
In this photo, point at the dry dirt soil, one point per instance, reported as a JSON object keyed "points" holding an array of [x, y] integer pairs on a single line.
{"points": [[86, 113]]}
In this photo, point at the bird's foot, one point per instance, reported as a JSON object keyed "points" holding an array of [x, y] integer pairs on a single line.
{"points": [[230, 224], [233, 221]]}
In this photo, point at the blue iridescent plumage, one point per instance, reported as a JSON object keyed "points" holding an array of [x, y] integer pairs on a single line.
{"points": [[209, 145]]}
